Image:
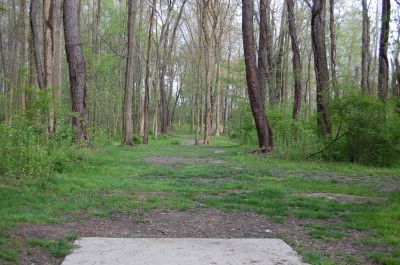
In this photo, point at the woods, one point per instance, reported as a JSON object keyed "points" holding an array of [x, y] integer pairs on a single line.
{"points": [[285, 112], [140, 70]]}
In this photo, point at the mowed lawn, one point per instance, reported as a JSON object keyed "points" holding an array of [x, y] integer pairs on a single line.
{"points": [[331, 213]]}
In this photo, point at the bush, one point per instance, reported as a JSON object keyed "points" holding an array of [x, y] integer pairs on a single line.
{"points": [[292, 140], [371, 127], [27, 151]]}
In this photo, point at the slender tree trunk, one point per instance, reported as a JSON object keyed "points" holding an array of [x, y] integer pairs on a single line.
{"points": [[376, 48], [264, 131], [56, 21], [397, 88], [383, 75], [129, 82], [36, 43], [23, 39], [147, 80], [276, 95], [77, 68], [197, 103], [263, 48], [96, 52], [332, 30], [205, 26], [366, 57], [3, 63], [297, 71], [321, 66]]}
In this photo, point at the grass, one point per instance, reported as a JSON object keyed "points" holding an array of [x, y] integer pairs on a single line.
{"points": [[55, 248], [111, 178]]}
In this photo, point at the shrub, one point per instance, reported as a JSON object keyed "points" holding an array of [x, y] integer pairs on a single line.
{"points": [[27, 151], [372, 129]]}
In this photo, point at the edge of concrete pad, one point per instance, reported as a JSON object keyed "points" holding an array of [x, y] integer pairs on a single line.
{"points": [[182, 251]]}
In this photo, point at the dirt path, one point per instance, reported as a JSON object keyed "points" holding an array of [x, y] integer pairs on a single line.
{"points": [[205, 223]]}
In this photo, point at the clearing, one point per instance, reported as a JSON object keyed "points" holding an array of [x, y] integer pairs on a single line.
{"points": [[330, 213]]}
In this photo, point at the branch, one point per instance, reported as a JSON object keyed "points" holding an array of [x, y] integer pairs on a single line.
{"points": [[108, 44], [337, 138], [308, 4]]}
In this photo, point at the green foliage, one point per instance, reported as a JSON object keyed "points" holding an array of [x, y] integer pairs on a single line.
{"points": [[26, 149], [292, 140], [99, 137], [2, 107], [369, 131], [371, 128], [242, 125], [175, 142]]}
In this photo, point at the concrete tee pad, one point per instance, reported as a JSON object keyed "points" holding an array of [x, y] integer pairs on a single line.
{"points": [[182, 251]]}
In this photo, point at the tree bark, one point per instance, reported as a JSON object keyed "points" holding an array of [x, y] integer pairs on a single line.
{"points": [[36, 43], [129, 74], [365, 56], [3, 63], [277, 95], [56, 22], [264, 132], [263, 48], [383, 75], [147, 80], [397, 88], [205, 26], [321, 66], [332, 30], [77, 68], [297, 68]]}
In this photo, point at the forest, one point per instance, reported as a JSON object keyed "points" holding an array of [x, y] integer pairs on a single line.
{"points": [[276, 113]]}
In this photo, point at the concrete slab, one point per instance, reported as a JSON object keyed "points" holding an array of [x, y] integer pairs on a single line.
{"points": [[182, 251]]}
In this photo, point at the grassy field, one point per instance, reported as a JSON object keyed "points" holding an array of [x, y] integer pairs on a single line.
{"points": [[361, 225]]}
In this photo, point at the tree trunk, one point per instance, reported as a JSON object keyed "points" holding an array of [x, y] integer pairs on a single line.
{"points": [[264, 131], [95, 52], [36, 43], [205, 26], [3, 63], [263, 48], [129, 72], [77, 69], [332, 30], [320, 65], [297, 71], [397, 88], [276, 94], [147, 80], [56, 22], [383, 75], [366, 57]]}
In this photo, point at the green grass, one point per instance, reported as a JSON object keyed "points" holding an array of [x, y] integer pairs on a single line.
{"points": [[111, 176], [55, 248]]}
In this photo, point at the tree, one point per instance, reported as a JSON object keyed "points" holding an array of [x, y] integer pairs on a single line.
{"points": [[297, 72], [383, 74], [127, 111], [332, 30], [147, 80], [36, 43], [263, 48], [77, 69], [264, 131], [365, 56], [320, 65], [205, 27]]}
